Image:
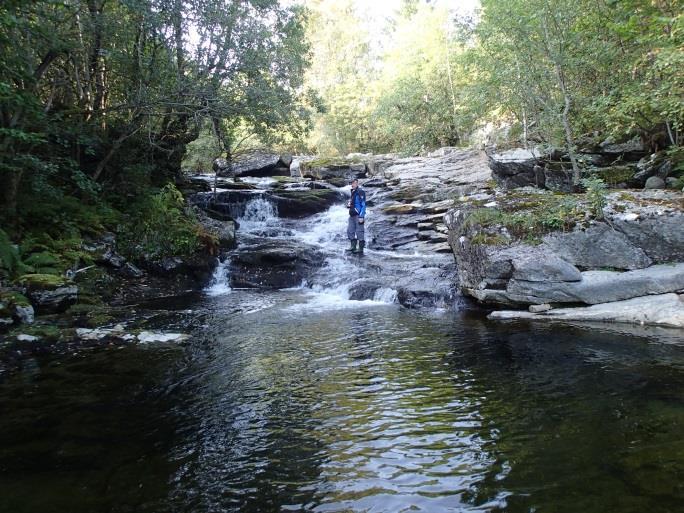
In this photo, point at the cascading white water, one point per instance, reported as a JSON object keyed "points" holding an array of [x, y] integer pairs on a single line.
{"points": [[220, 281], [259, 213], [339, 271]]}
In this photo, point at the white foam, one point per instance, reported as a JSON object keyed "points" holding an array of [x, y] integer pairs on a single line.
{"points": [[331, 299], [220, 281]]}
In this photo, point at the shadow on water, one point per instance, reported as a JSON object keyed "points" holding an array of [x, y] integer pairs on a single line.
{"points": [[368, 408]]}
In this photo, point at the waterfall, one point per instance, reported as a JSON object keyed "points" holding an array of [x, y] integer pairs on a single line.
{"points": [[258, 211], [220, 281], [385, 295]]}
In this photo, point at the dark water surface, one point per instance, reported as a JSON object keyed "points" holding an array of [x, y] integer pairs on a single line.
{"points": [[349, 408]]}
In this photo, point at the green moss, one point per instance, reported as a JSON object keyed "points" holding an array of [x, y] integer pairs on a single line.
{"points": [[14, 298], [485, 217], [45, 332], [98, 319], [625, 196], [615, 175], [42, 259], [529, 216], [489, 239], [42, 281], [81, 309], [10, 260]]}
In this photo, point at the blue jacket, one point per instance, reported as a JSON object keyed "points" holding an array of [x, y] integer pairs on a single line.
{"points": [[358, 203]]}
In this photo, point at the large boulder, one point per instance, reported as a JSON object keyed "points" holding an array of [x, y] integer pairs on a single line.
{"points": [[223, 229], [49, 293], [630, 150], [337, 171], [256, 163], [517, 168], [298, 203], [658, 232], [549, 269], [274, 265], [655, 182], [15, 307], [599, 246], [641, 229]]}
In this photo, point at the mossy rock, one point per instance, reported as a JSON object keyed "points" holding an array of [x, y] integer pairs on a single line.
{"points": [[338, 182], [12, 298], [91, 315], [45, 332], [615, 175], [44, 259], [303, 203], [42, 281]]}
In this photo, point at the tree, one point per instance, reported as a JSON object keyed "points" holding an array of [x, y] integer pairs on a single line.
{"points": [[98, 93]]}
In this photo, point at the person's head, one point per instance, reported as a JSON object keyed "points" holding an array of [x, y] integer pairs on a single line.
{"points": [[354, 183]]}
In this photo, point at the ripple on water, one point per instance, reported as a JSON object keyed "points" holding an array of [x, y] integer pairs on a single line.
{"points": [[349, 410]]}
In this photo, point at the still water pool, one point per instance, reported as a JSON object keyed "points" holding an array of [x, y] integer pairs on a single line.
{"points": [[275, 404]]}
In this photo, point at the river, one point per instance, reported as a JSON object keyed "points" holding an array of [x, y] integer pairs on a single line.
{"points": [[306, 400]]}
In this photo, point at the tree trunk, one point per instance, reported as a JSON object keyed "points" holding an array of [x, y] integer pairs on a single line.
{"points": [[555, 57], [451, 85], [10, 192], [569, 140]]}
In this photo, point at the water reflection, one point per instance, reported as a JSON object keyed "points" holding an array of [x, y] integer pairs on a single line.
{"points": [[364, 409]]}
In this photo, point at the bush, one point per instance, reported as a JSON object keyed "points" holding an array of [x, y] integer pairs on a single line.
{"points": [[596, 194], [160, 227], [10, 261]]}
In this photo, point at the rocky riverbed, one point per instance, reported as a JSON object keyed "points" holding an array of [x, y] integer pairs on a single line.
{"points": [[445, 230]]}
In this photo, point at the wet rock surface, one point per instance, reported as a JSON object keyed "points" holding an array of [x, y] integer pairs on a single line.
{"points": [[274, 265]]}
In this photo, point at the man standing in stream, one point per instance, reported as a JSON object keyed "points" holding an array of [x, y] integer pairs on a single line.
{"points": [[356, 231]]}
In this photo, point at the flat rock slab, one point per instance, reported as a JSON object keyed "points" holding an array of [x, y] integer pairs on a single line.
{"points": [[402, 208], [603, 286], [659, 310], [550, 268], [596, 247]]}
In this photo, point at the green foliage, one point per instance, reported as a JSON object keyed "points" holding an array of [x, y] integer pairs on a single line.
{"points": [[484, 217], [202, 152], [159, 226], [531, 71], [12, 298], [100, 99], [524, 218], [10, 260], [488, 239], [596, 195]]}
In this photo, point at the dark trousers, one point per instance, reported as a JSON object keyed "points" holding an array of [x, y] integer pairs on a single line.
{"points": [[356, 230]]}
